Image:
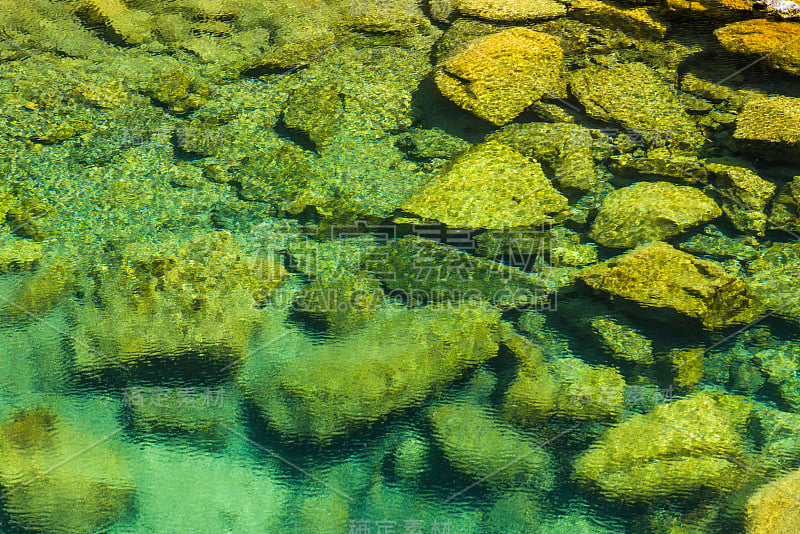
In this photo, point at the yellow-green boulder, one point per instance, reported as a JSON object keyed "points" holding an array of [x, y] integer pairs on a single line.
{"points": [[674, 450], [650, 211], [501, 74], [489, 186], [765, 39], [775, 507], [661, 276]]}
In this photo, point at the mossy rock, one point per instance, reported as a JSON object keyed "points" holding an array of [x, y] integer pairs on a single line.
{"points": [[658, 275], [499, 75], [489, 186], [83, 495], [650, 211], [638, 99], [392, 363], [489, 450], [745, 196], [770, 127], [673, 451]]}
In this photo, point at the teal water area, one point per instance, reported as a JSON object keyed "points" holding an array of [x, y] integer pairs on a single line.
{"points": [[355, 266]]}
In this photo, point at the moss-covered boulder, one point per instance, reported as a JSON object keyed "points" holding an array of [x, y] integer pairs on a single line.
{"points": [[765, 39], [675, 450], [59, 479], [745, 196], [566, 388], [392, 363], [774, 278], [196, 301], [658, 275], [770, 127], [638, 99], [488, 450], [508, 10], [422, 270], [775, 507], [785, 211], [650, 211], [660, 164], [566, 148], [639, 22], [624, 343], [489, 186], [501, 74]]}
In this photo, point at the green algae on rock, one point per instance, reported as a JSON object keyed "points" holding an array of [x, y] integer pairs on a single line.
{"points": [[567, 148], [774, 278], [422, 270], [489, 450], [91, 487], [766, 39], [770, 127], [489, 186], [623, 342], [650, 211], [785, 211], [658, 275], [195, 301], [673, 451], [637, 98], [501, 74], [510, 10], [640, 22], [364, 377], [773, 509], [745, 196]]}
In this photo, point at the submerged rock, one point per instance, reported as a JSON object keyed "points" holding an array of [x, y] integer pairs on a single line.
{"points": [[501, 74], [392, 363], [566, 148], [510, 10], [745, 196], [638, 22], [91, 486], [650, 211], [771, 127], [775, 507], [623, 342], [489, 186], [637, 98], [675, 450], [766, 39], [658, 275], [775, 280], [489, 450], [785, 212], [178, 302]]}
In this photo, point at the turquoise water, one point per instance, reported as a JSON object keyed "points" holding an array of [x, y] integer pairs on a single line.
{"points": [[320, 266]]}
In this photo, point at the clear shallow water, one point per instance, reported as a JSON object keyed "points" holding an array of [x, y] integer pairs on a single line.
{"points": [[218, 318]]}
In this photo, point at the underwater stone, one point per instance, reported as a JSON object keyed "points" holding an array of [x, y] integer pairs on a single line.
{"points": [[765, 39], [770, 127], [392, 363], [501, 74], [650, 211], [178, 91], [774, 508], [775, 280], [489, 450], [638, 22], [687, 367], [83, 495], [658, 275], [566, 388], [674, 450], [185, 301], [489, 186], [660, 163], [639, 99], [567, 148], [510, 10], [745, 195], [785, 211], [624, 343]]}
